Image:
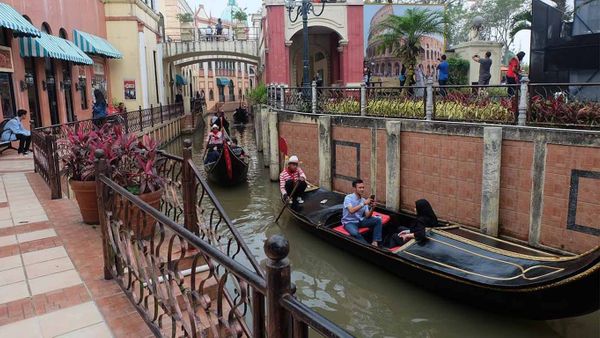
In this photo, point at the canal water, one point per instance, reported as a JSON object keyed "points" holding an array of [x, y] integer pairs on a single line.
{"points": [[365, 300]]}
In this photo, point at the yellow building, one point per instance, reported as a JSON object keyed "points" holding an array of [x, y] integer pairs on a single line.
{"points": [[133, 27]]}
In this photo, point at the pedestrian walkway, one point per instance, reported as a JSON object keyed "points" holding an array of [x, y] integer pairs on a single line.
{"points": [[51, 274]]}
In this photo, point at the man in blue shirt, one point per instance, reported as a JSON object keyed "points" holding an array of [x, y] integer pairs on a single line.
{"points": [[357, 214], [444, 73], [13, 130]]}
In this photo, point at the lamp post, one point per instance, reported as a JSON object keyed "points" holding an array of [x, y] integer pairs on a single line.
{"points": [[303, 7]]}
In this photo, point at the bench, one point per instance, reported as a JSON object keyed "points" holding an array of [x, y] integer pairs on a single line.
{"points": [[5, 145], [384, 220]]}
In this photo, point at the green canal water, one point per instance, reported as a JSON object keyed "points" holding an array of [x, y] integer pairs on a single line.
{"points": [[363, 299]]}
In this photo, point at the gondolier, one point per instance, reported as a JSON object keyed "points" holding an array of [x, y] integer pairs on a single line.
{"points": [[292, 181]]}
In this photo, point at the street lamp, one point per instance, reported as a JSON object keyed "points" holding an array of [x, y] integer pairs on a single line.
{"points": [[303, 7]]}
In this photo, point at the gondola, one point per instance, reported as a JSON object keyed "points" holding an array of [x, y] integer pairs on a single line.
{"points": [[466, 265], [228, 169], [240, 116]]}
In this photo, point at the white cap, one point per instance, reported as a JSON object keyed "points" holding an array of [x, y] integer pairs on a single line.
{"points": [[293, 159], [214, 126]]}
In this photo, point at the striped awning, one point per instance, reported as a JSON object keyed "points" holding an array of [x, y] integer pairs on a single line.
{"points": [[11, 19], [53, 47], [93, 44], [223, 81]]}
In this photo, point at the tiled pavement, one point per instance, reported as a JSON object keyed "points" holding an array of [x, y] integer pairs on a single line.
{"points": [[51, 275]]}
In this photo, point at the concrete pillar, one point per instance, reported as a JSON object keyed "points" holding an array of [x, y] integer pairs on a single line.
{"points": [[143, 68], [258, 126], [264, 123], [324, 126], [160, 76], [429, 100], [314, 97], [490, 183], [274, 148], [537, 189], [523, 101], [392, 166], [187, 105], [363, 99]]}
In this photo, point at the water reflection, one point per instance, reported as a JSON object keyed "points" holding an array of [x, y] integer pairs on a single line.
{"points": [[365, 300]]}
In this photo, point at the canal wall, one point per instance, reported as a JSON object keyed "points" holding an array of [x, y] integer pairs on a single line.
{"points": [[537, 185]]}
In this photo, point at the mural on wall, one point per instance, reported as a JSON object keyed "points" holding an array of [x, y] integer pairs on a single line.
{"points": [[383, 64]]}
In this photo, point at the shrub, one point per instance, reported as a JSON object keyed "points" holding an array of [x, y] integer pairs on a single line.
{"points": [[396, 108], [459, 71], [560, 110], [258, 95]]}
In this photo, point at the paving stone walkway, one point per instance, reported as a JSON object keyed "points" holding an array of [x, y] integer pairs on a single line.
{"points": [[51, 279]]}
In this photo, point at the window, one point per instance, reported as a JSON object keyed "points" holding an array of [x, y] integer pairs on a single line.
{"points": [[7, 95], [211, 95], [32, 92], [4, 40], [83, 91]]}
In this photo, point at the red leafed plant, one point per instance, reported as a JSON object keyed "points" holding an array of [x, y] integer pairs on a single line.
{"points": [[562, 110]]}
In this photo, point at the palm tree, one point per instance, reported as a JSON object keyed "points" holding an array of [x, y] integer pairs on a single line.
{"points": [[521, 22], [403, 35]]}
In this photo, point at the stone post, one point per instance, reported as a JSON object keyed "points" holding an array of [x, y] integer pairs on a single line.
{"points": [[282, 97], [363, 99], [392, 166], [256, 112], [264, 127], [187, 105], [523, 101], [490, 183], [429, 100], [314, 97], [278, 276], [324, 126], [274, 147]]}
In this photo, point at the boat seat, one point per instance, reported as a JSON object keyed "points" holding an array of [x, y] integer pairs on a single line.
{"points": [[384, 218], [340, 229], [395, 249]]}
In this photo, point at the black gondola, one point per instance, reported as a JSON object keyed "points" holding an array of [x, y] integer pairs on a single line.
{"points": [[470, 267], [218, 171], [240, 116]]}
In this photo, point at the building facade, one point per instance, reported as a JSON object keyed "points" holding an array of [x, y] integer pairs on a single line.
{"points": [[53, 88]]}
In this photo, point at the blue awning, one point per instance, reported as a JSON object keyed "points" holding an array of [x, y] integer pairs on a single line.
{"points": [[53, 47], [11, 19], [179, 80], [93, 44], [223, 81]]}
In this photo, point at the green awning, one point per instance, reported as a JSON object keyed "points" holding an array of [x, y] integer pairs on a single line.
{"points": [[93, 44], [179, 80], [53, 47], [11, 19], [223, 81]]}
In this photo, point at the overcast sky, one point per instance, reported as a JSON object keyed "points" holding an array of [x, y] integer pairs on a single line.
{"points": [[522, 40]]}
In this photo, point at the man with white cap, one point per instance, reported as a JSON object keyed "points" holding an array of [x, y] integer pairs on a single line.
{"points": [[215, 137], [292, 181]]}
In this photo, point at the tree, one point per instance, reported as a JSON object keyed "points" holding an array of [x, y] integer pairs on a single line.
{"points": [[403, 35], [185, 17], [521, 22], [240, 16]]}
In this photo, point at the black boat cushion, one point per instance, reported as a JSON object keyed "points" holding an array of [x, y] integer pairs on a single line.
{"points": [[340, 229]]}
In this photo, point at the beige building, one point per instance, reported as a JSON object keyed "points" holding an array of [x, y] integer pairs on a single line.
{"points": [[178, 20], [137, 78]]}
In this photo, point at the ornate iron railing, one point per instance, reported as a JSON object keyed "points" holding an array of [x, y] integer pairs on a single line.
{"points": [[180, 281], [47, 153]]}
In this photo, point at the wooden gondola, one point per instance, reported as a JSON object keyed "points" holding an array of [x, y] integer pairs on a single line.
{"points": [[470, 267], [221, 173]]}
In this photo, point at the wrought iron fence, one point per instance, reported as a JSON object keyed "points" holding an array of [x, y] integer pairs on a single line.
{"points": [[564, 104], [496, 103], [406, 102], [297, 99], [47, 153], [180, 278], [338, 100]]}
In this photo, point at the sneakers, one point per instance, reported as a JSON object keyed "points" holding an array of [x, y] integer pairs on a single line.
{"points": [[299, 200]]}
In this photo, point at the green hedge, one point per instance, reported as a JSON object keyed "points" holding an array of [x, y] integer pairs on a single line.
{"points": [[459, 71]]}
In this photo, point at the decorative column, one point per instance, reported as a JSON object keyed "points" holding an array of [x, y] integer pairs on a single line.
{"points": [[523, 101], [324, 126], [490, 183], [429, 100], [143, 65], [274, 147], [392, 166]]}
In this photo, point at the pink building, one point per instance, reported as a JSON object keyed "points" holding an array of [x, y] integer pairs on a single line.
{"points": [[335, 44]]}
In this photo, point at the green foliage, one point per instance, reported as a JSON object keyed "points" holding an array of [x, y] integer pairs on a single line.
{"points": [[492, 111], [258, 95], [459, 71], [396, 108], [185, 17], [240, 16], [346, 106]]}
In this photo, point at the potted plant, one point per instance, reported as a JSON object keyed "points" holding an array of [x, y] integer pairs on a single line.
{"points": [[78, 166], [134, 169]]}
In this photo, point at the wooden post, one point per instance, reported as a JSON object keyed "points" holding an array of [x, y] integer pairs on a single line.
{"points": [[52, 161], [141, 119], [102, 170], [190, 220], [278, 278]]}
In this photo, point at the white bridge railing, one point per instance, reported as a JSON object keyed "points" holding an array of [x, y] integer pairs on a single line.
{"points": [[239, 47]]}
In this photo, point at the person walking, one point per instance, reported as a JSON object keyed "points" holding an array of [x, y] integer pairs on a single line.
{"points": [[99, 109], [420, 81], [484, 68], [402, 76], [443, 74], [14, 130], [513, 74]]}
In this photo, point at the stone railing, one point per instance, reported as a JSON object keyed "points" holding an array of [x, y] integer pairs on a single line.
{"points": [[216, 46]]}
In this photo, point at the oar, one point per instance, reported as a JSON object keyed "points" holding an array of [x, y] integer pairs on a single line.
{"points": [[285, 203]]}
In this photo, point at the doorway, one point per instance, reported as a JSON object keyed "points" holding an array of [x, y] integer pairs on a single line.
{"points": [[66, 86], [7, 95], [51, 90]]}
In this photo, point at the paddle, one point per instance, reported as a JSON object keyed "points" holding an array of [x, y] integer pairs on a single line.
{"points": [[285, 203]]}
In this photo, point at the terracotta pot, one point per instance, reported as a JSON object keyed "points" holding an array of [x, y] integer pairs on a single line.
{"points": [[153, 199], [85, 194]]}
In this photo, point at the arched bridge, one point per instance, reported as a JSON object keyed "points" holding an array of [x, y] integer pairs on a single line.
{"points": [[188, 52]]}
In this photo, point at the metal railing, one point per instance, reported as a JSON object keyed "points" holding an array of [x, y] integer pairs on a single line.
{"points": [[47, 153], [565, 105], [188, 279], [240, 47]]}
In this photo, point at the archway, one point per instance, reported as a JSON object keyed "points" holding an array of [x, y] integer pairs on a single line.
{"points": [[324, 58]]}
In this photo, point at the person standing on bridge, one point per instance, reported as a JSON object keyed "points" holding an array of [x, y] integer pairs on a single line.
{"points": [[219, 28]]}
